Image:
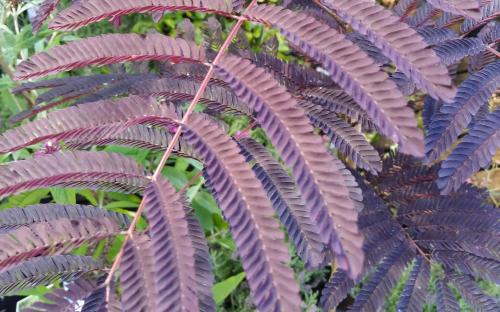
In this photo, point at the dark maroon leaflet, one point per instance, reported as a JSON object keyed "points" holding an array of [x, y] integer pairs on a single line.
{"points": [[109, 49], [91, 11]]}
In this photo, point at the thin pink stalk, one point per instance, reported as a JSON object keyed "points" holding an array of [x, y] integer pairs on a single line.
{"points": [[175, 139]]}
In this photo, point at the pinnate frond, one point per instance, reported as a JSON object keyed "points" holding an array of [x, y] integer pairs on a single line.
{"points": [[42, 13], [138, 136], [471, 292], [65, 300], [44, 270], [172, 249], [399, 42], [15, 217], [54, 237], [454, 117], [344, 137], [339, 102], [363, 80], [250, 215], [434, 36], [468, 8], [215, 97], [93, 170], [91, 11], [73, 122], [414, 295], [137, 275], [109, 49], [445, 299], [472, 153], [289, 206], [285, 123], [452, 51]]}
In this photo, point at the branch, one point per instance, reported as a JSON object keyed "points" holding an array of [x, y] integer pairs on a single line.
{"points": [[173, 142]]}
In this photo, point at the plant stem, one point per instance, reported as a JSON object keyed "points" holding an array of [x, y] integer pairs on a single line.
{"points": [[173, 142]]}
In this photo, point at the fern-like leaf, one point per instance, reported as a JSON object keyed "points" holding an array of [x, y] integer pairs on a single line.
{"points": [[64, 300], [202, 266], [473, 294], [336, 100], [361, 79], [289, 206], [344, 137], [249, 213], [110, 119], [468, 8], [285, 123], [414, 294], [93, 170], [172, 249], [15, 217], [42, 13], [44, 270], [433, 35], [445, 299], [488, 269], [138, 136], [55, 237], [137, 275], [337, 288], [384, 278], [453, 118], [217, 98], [91, 11], [452, 51], [399, 42], [489, 12], [109, 49], [472, 153]]}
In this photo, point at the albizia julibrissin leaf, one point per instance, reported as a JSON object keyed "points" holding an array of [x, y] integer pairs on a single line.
{"points": [[372, 295], [44, 270], [399, 42], [344, 137], [215, 97], [42, 13], [445, 298], [339, 102], [289, 206], [452, 51], [91, 11], [15, 217], [338, 287], [93, 170], [247, 209], [54, 237], [474, 152], [172, 249], [468, 8], [109, 49], [203, 268], [109, 118], [138, 136], [414, 295], [137, 275], [471, 292], [64, 299], [453, 118], [352, 69], [329, 190]]}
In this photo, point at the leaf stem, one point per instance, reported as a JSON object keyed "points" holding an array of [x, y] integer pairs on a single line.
{"points": [[173, 142]]}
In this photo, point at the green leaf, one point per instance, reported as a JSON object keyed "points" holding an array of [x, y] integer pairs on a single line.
{"points": [[63, 196], [223, 289]]}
